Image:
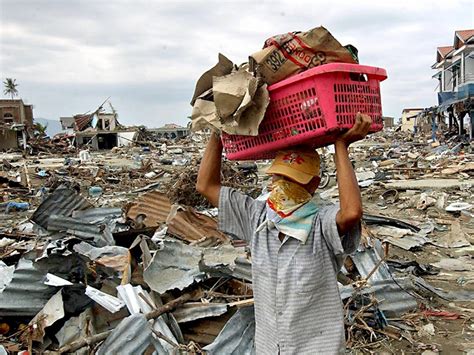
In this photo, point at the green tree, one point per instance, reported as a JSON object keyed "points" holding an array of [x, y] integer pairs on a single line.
{"points": [[10, 87], [39, 129]]}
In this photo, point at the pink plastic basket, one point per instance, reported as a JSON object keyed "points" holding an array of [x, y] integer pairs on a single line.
{"points": [[311, 108]]}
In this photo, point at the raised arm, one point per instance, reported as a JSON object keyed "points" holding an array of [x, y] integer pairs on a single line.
{"points": [[209, 177], [350, 211]]}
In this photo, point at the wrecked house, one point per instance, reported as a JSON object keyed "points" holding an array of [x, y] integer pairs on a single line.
{"points": [[67, 124], [101, 130], [15, 119], [455, 74]]}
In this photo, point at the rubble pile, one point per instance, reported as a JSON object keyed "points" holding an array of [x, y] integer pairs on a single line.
{"points": [[115, 252], [181, 189]]}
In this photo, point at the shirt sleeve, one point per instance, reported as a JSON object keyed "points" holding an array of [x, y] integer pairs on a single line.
{"points": [[340, 246], [237, 213]]}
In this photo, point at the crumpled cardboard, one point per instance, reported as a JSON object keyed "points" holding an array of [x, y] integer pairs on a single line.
{"points": [[233, 93], [251, 118], [204, 114], [236, 104], [291, 53], [223, 67]]}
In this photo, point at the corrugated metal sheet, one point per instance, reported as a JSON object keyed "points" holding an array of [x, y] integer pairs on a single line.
{"points": [[98, 233], [154, 205], [131, 336], [394, 296], [26, 294], [393, 293], [243, 269], [176, 265], [408, 242], [112, 216], [6, 274], [222, 255], [237, 336], [132, 296], [95, 215], [366, 261], [196, 310], [94, 253], [192, 226], [75, 328], [81, 121], [62, 202]]}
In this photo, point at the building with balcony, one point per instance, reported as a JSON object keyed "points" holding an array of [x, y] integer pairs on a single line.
{"points": [[455, 74]]}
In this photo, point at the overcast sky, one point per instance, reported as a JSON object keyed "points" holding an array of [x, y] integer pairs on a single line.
{"points": [[69, 56]]}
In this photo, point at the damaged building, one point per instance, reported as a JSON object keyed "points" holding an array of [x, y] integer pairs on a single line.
{"points": [[101, 130], [16, 118], [455, 74]]}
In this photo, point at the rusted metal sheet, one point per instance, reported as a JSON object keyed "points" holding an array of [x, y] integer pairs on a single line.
{"points": [[193, 226], [154, 205]]}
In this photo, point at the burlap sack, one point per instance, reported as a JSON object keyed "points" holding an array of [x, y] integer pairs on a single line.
{"points": [[291, 53]]}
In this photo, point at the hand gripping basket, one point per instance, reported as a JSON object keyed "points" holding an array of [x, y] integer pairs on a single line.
{"points": [[311, 108]]}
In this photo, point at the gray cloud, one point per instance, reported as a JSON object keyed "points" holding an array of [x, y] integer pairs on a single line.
{"points": [[68, 56]]}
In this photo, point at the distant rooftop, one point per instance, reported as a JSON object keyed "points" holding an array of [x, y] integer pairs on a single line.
{"points": [[464, 35], [444, 51], [172, 126], [461, 37]]}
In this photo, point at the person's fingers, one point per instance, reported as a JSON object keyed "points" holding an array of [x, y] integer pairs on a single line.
{"points": [[366, 118], [366, 122]]}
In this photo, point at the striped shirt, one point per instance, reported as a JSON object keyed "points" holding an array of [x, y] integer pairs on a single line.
{"points": [[298, 309]]}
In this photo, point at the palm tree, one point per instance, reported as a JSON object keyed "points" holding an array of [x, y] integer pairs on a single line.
{"points": [[10, 87], [40, 129]]}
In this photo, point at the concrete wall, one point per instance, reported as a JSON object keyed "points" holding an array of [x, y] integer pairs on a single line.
{"points": [[28, 115], [7, 112], [8, 139], [408, 121], [20, 112]]}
